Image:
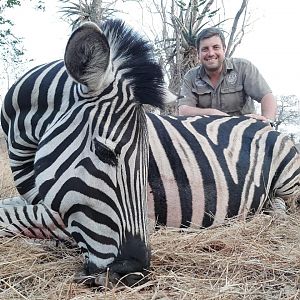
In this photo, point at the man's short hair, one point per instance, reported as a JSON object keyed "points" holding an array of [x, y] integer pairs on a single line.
{"points": [[208, 33]]}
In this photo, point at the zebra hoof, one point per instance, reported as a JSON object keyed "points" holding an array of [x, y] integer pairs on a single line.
{"points": [[278, 209]]}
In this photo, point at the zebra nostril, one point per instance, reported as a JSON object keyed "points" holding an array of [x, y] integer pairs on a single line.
{"points": [[134, 256], [130, 267], [91, 269], [116, 273]]}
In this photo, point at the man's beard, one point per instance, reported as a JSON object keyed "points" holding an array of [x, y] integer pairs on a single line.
{"points": [[213, 68]]}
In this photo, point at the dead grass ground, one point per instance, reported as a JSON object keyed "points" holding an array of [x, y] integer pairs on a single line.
{"points": [[7, 188], [257, 259]]}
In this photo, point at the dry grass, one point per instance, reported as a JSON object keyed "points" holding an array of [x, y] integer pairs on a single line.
{"points": [[257, 259], [7, 188]]}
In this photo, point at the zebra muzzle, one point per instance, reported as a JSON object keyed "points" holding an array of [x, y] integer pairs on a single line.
{"points": [[109, 279]]}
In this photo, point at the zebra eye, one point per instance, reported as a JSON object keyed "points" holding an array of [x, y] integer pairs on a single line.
{"points": [[105, 154]]}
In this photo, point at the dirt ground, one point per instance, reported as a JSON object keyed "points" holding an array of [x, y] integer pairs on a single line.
{"points": [[256, 259]]}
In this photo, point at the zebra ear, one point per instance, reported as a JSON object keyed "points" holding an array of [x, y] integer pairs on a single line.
{"points": [[87, 55]]}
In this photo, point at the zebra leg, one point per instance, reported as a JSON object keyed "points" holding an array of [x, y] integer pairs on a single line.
{"points": [[282, 202], [13, 201], [22, 167], [286, 192], [34, 221], [278, 208]]}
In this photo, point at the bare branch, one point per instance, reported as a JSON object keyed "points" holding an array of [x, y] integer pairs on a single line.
{"points": [[205, 11], [234, 26]]}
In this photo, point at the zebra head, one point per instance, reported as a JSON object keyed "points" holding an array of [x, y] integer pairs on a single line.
{"points": [[97, 180]]}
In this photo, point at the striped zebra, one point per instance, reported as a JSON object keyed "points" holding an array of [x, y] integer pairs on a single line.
{"points": [[202, 170], [205, 169], [78, 148]]}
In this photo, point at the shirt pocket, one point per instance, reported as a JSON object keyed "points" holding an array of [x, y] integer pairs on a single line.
{"points": [[204, 97], [232, 99]]}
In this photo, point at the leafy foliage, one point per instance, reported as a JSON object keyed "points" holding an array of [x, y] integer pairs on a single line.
{"points": [[11, 50], [12, 53], [182, 21], [86, 10]]}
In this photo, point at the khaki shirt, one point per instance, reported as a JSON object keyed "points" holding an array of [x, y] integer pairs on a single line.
{"points": [[240, 82]]}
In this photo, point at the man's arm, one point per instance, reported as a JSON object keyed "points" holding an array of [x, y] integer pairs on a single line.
{"points": [[257, 88], [186, 110], [268, 109], [269, 106]]}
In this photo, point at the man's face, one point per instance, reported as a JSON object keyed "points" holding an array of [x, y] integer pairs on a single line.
{"points": [[212, 53]]}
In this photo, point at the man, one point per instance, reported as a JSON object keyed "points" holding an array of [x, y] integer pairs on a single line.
{"points": [[224, 86]]}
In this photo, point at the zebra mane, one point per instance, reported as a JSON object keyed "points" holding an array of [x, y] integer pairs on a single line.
{"points": [[129, 50]]}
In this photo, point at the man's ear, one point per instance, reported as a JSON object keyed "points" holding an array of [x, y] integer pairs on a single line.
{"points": [[198, 55]]}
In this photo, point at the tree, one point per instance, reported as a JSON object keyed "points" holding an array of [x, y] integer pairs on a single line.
{"points": [[11, 49], [237, 33], [87, 10], [12, 53], [288, 112], [181, 23]]}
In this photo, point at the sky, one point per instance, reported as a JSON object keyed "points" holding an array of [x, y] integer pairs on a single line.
{"points": [[272, 43], [274, 46]]}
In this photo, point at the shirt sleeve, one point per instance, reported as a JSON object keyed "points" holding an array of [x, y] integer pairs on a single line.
{"points": [[255, 85], [187, 96]]}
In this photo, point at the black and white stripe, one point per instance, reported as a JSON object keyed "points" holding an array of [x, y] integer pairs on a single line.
{"points": [[203, 170], [78, 147]]}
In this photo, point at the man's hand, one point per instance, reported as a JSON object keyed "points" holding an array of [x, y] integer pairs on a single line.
{"points": [[261, 118], [186, 110], [216, 112], [257, 117]]}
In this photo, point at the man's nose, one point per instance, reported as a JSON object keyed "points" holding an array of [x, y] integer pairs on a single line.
{"points": [[211, 52]]}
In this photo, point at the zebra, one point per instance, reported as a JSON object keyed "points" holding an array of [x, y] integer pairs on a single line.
{"points": [[206, 169], [201, 171], [81, 170]]}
